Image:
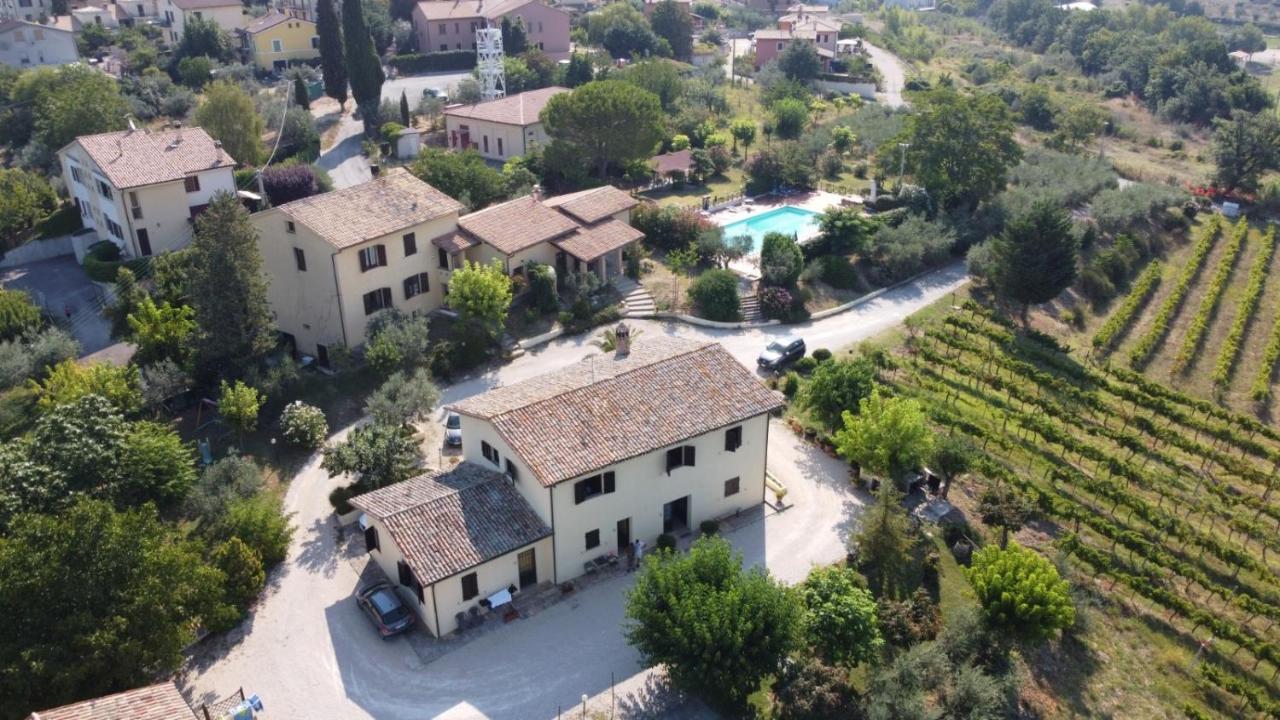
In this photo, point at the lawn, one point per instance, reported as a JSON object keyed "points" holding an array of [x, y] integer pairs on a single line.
{"points": [[725, 184]]}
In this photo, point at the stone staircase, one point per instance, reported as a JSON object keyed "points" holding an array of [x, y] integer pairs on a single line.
{"points": [[749, 304], [634, 295]]}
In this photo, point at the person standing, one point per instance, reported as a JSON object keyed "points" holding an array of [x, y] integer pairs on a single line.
{"points": [[639, 552]]}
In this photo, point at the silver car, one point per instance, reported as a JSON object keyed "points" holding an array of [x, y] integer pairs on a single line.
{"points": [[453, 430]]}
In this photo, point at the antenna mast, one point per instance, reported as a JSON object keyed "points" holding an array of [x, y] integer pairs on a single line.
{"points": [[493, 83]]}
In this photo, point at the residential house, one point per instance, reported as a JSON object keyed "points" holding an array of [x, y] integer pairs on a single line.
{"points": [[154, 702], [277, 39], [26, 44], [821, 33], [230, 15], [104, 15], [336, 259], [685, 5], [675, 165], [911, 4], [564, 470], [143, 189], [131, 12], [500, 129], [444, 25], [29, 10]]}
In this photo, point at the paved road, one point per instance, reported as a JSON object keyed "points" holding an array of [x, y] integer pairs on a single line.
{"points": [[343, 160], [59, 284], [309, 653], [892, 71]]}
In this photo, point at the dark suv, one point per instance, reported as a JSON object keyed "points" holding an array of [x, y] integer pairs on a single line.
{"points": [[384, 608], [780, 353]]}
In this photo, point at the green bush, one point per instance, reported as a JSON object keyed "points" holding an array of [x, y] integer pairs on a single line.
{"points": [[806, 365], [542, 288], [791, 385], [243, 570], [260, 522], [303, 425], [18, 315], [822, 355], [709, 527], [838, 272], [416, 64], [715, 294], [667, 541], [102, 262]]}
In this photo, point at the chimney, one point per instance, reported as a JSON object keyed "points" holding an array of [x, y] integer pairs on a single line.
{"points": [[536, 193], [374, 169], [622, 338]]}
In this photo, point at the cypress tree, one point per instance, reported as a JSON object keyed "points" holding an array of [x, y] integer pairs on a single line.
{"points": [[300, 94], [333, 64], [363, 65], [579, 71], [228, 292], [1035, 258], [405, 118]]}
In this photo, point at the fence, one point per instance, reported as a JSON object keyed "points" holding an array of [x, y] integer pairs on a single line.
{"points": [[219, 709]]}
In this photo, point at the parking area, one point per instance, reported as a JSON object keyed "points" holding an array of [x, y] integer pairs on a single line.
{"points": [[60, 286]]}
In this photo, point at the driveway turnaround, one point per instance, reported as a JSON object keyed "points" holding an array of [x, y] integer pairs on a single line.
{"points": [[310, 653]]}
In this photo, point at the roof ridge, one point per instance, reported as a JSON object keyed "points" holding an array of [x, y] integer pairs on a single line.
{"points": [[581, 388]]}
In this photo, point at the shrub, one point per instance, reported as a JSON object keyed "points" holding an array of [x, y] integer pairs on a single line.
{"points": [[709, 527], [303, 425], [806, 689], [542, 287], [780, 259], [288, 183], [670, 228], [782, 164], [242, 567], [1020, 592], [667, 541], [416, 64], [1133, 207], [806, 365], [715, 294], [227, 480], [18, 315], [791, 385], [103, 261], [775, 302], [260, 523], [821, 355], [912, 247], [838, 272], [911, 621]]}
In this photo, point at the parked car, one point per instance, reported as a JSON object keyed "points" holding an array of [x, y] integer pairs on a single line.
{"points": [[779, 353], [440, 95], [453, 430], [389, 615]]}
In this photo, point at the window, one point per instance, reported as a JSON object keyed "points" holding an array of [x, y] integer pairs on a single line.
{"points": [[416, 285], [680, 457], [370, 538], [444, 47], [410, 244], [289, 227], [731, 486], [444, 29], [443, 258], [593, 539], [315, 42], [376, 300], [490, 453], [75, 175], [199, 15], [277, 46], [134, 207], [39, 34], [486, 143], [408, 579], [512, 471], [192, 183], [588, 488], [105, 190], [499, 146], [300, 259], [455, 28], [372, 257], [733, 438], [470, 586], [115, 228]]}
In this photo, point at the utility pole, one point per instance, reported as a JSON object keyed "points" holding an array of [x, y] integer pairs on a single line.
{"points": [[902, 162]]}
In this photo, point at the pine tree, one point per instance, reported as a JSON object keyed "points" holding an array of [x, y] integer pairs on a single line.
{"points": [[672, 23], [514, 38], [228, 291], [579, 71], [333, 64], [363, 65], [300, 94], [405, 118], [1035, 258]]}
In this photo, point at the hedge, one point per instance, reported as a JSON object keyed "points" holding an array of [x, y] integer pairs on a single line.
{"points": [[102, 262], [434, 62]]}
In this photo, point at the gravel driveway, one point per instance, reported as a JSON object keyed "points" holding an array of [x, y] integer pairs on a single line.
{"points": [[309, 653], [892, 72]]}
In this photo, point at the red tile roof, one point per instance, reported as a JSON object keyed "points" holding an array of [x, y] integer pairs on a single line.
{"points": [[605, 409], [517, 224], [593, 205], [591, 242], [447, 521], [155, 702], [519, 109], [133, 158]]}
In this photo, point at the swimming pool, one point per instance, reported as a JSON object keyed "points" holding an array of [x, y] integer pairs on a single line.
{"points": [[788, 219]]}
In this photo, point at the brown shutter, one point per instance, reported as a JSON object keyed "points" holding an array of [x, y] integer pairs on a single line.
{"points": [[690, 456], [382, 255], [609, 482]]}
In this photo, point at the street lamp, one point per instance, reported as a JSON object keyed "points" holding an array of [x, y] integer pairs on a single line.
{"points": [[902, 161]]}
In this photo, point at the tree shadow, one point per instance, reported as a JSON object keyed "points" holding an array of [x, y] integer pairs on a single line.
{"points": [[657, 699]]}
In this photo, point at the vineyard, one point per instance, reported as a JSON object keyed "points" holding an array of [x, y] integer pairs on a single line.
{"points": [[1205, 321], [1164, 500]]}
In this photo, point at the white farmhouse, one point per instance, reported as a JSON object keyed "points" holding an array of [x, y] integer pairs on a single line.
{"points": [[27, 44], [564, 470]]}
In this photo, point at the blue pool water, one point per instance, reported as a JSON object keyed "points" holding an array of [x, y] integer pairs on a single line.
{"points": [[787, 219]]}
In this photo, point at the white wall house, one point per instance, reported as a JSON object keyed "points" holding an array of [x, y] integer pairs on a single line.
{"points": [[500, 129], [230, 15], [29, 10], [142, 190], [27, 44], [614, 448]]}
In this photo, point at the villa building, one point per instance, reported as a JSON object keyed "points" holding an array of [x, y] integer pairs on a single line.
{"points": [[335, 259], [142, 190], [560, 473], [500, 129], [230, 15], [154, 702], [816, 30], [29, 43], [445, 25], [277, 39]]}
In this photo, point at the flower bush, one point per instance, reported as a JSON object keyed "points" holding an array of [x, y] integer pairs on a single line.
{"points": [[303, 425]]}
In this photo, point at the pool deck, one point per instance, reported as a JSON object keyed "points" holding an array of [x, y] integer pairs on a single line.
{"points": [[816, 201]]}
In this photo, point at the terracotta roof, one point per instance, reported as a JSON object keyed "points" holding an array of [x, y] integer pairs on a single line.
{"points": [[447, 521], [454, 242], [272, 19], [155, 702], [519, 109], [203, 4], [817, 24], [681, 160], [458, 9], [605, 409], [391, 202], [132, 158], [591, 242], [516, 224], [773, 34], [593, 205], [60, 22]]}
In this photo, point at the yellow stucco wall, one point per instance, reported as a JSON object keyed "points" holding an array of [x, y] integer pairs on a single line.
{"points": [[295, 43]]}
